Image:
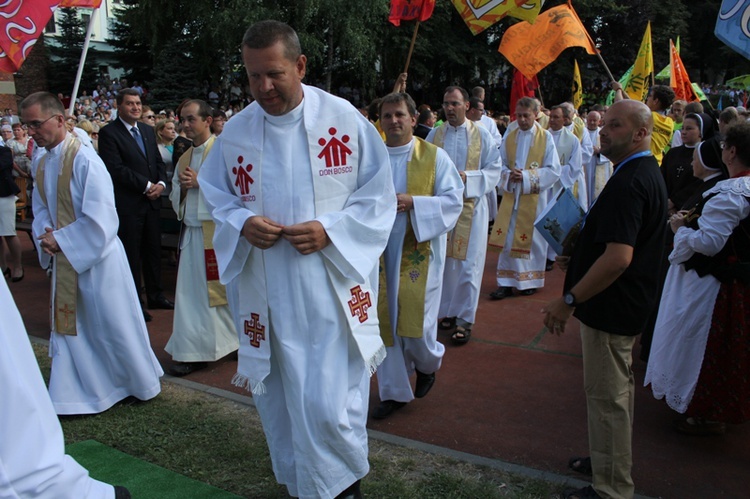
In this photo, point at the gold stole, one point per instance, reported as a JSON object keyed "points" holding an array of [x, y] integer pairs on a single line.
{"points": [[217, 293], [66, 278], [578, 128], [415, 256], [458, 238], [524, 231]]}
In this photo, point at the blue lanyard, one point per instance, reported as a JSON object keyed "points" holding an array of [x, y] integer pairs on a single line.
{"points": [[637, 155]]}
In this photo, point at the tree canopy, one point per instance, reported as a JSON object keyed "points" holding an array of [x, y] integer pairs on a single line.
{"points": [[352, 44]]}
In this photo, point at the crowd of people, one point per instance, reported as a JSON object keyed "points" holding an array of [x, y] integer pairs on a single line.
{"points": [[324, 243]]}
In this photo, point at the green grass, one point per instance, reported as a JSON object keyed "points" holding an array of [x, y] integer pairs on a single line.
{"points": [[220, 442]]}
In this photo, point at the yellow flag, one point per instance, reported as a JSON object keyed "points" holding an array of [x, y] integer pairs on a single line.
{"points": [[481, 14], [637, 87], [577, 87]]}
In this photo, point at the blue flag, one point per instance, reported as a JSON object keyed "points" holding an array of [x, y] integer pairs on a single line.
{"points": [[729, 26]]}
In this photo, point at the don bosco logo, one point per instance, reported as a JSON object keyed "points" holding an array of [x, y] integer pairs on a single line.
{"points": [[335, 153], [243, 180]]}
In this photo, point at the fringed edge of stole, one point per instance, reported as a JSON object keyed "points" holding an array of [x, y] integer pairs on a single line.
{"points": [[376, 359], [253, 386]]}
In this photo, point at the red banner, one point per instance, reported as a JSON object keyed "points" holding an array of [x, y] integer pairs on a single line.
{"points": [[407, 10], [521, 87], [23, 22]]}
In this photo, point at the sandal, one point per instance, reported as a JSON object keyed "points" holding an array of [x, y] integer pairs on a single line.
{"points": [[447, 323], [580, 465], [584, 493], [465, 335]]}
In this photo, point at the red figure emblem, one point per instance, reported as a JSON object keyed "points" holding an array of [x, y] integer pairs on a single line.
{"points": [[243, 179], [359, 303], [334, 151], [523, 237], [255, 330]]}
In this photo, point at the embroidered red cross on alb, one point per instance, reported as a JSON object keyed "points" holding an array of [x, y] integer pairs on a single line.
{"points": [[66, 312], [334, 151], [523, 237], [243, 178], [359, 303], [255, 330]]}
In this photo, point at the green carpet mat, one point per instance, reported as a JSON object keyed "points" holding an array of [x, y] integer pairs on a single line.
{"points": [[144, 480]]}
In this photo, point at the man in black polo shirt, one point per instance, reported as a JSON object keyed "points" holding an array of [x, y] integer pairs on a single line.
{"points": [[610, 287]]}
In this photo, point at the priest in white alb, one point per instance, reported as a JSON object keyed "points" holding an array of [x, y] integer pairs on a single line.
{"points": [[429, 192], [33, 462], [598, 169], [477, 158], [99, 343], [530, 169], [299, 185], [203, 329]]}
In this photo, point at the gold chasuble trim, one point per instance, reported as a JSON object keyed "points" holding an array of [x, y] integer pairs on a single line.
{"points": [[458, 238], [217, 292], [66, 278], [524, 230], [415, 256]]}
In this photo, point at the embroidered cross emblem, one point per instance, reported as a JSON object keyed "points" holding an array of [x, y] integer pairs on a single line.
{"points": [[523, 237], [680, 169], [359, 303], [66, 312], [499, 231], [243, 178], [334, 150], [255, 330]]}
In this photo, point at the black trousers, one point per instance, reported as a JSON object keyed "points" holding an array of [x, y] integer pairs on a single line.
{"points": [[140, 233]]}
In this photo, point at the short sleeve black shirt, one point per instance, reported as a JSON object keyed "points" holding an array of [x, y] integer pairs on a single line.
{"points": [[632, 210]]}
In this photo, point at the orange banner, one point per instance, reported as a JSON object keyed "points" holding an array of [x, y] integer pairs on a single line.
{"points": [[678, 79], [21, 23], [481, 14], [530, 48]]}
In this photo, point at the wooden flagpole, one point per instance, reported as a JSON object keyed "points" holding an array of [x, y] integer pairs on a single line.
{"points": [[411, 48]]}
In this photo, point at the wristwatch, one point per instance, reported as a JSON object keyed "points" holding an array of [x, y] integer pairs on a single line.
{"points": [[570, 299]]}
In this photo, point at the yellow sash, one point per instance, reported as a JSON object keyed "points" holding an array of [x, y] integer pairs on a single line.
{"points": [[66, 278], [458, 238], [415, 256], [524, 230], [217, 293], [662, 135]]}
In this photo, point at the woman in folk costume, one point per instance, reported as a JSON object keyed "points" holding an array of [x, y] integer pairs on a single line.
{"points": [[701, 353], [682, 188]]}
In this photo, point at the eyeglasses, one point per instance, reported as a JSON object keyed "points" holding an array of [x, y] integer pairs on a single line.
{"points": [[150, 117], [35, 125]]}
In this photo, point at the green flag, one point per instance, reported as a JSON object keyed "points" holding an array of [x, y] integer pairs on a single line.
{"points": [[624, 82]]}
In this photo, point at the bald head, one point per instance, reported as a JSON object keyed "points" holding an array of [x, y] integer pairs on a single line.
{"points": [[627, 130]]}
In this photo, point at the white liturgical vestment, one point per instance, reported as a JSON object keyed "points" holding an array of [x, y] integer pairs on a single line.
{"points": [[431, 218], [110, 358], [462, 279], [296, 335]]}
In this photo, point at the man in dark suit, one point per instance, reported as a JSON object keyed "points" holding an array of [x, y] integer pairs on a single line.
{"points": [[128, 148], [425, 121]]}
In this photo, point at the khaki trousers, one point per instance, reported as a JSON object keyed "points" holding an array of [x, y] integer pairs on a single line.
{"points": [[608, 381]]}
